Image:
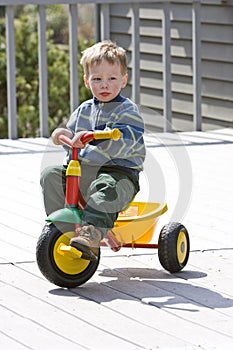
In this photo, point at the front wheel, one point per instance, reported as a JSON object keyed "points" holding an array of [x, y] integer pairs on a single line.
{"points": [[173, 247], [57, 267]]}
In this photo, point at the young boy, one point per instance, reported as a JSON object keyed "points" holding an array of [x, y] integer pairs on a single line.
{"points": [[110, 169]]}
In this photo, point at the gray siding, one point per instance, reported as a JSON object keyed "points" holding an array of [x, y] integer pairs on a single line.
{"points": [[216, 60]]}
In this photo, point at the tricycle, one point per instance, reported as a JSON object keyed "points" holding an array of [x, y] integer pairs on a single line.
{"points": [[65, 266]]}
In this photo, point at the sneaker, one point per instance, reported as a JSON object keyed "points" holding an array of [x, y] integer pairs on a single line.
{"points": [[87, 241]]}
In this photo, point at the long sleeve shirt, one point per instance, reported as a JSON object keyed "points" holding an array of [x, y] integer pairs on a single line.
{"points": [[129, 151]]}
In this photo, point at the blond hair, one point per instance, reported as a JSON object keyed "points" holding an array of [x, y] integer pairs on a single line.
{"points": [[105, 50]]}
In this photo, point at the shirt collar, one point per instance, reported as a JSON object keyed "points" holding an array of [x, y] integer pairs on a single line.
{"points": [[118, 98]]}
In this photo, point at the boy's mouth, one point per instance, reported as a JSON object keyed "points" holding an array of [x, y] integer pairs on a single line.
{"points": [[105, 94]]}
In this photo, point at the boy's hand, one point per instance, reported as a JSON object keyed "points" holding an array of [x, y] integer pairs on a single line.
{"points": [[60, 131], [76, 140]]}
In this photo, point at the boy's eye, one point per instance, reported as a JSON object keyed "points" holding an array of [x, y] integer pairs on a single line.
{"points": [[99, 79]]}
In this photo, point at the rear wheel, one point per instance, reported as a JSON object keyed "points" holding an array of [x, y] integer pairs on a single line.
{"points": [[56, 266], [173, 247]]}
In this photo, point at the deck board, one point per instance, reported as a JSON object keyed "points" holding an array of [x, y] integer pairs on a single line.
{"points": [[131, 302]]}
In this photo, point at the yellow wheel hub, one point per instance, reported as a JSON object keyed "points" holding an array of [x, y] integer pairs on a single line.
{"points": [[67, 264], [182, 247]]}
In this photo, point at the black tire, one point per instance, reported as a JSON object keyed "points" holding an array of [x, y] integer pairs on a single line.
{"points": [[173, 247], [63, 272]]}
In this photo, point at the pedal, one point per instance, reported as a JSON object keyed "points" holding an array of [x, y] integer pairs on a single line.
{"points": [[87, 253], [69, 252]]}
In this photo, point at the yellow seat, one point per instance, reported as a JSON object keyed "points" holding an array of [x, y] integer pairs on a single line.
{"points": [[136, 224]]}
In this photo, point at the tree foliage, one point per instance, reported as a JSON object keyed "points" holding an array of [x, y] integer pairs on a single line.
{"points": [[27, 79]]}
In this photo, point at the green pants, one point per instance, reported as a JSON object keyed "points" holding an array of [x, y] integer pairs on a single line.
{"points": [[106, 193]]}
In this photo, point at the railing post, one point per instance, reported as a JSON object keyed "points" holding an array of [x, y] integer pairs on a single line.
{"points": [[73, 45], [167, 94], [11, 84], [135, 54], [43, 74], [105, 21], [196, 29]]}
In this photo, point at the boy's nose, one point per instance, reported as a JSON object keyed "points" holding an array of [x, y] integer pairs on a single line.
{"points": [[104, 82]]}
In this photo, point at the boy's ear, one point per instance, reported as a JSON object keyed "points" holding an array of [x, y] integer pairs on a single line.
{"points": [[125, 80], [86, 82]]}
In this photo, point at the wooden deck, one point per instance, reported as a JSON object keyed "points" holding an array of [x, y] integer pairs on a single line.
{"points": [[131, 302]]}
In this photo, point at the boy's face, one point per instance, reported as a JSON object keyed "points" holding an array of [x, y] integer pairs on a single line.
{"points": [[105, 80]]}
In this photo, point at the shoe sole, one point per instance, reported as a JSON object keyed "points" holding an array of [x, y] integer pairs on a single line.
{"points": [[87, 253]]}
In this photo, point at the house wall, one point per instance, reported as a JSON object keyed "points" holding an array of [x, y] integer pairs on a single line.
{"points": [[216, 60]]}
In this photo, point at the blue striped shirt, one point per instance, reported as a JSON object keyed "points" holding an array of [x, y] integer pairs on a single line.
{"points": [[129, 151]]}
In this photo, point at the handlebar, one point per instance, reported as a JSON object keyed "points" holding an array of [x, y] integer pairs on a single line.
{"points": [[113, 134]]}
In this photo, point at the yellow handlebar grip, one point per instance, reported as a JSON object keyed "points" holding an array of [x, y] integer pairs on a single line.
{"points": [[114, 134]]}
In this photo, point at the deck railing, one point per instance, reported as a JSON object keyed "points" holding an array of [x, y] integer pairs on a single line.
{"points": [[103, 8]]}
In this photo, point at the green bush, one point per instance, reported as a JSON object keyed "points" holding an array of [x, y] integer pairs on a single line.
{"points": [[27, 79]]}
